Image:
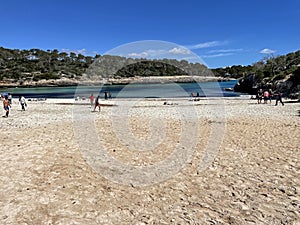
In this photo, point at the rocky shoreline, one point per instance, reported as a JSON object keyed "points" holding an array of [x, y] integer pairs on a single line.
{"points": [[289, 85], [91, 82]]}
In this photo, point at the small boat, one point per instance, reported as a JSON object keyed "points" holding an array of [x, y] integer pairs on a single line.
{"points": [[228, 89]]}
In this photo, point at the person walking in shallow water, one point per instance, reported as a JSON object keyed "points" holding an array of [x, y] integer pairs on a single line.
{"points": [[6, 106]]}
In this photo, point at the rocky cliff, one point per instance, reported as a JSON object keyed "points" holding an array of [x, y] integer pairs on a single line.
{"points": [[289, 86]]}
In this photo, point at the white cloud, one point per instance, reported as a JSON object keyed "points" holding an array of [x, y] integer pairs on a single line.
{"points": [[267, 51], [179, 51], [158, 53], [206, 45], [79, 51], [138, 55]]}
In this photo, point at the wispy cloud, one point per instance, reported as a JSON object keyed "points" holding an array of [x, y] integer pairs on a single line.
{"points": [[209, 44], [217, 55], [267, 51], [234, 50], [221, 52]]}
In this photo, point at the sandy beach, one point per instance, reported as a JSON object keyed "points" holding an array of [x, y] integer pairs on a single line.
{"points": [[162, 161]]}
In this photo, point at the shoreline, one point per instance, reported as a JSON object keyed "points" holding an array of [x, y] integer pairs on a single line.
{"points": [[175, 101], [114, 81]]}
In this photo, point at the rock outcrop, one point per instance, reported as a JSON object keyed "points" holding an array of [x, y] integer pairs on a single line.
{"points": [[289, 86]]}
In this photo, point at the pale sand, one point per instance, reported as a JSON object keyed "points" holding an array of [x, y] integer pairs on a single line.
{"points": [[254, 178]]}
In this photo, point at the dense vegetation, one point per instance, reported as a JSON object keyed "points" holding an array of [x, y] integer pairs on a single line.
{"points": [[149, 68], [268, 69], [281, 73], [35, 64], [18, 66]]}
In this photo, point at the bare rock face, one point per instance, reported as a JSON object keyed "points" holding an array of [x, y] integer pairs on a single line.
{"points": [[246, 85], [290, 86], [284, 85]]}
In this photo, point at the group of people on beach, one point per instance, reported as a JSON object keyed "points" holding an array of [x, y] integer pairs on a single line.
{"points": [[195, 97], [268, 95], [95, 102], [7, 103]]}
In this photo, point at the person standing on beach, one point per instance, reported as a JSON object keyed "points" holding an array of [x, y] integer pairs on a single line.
{"points": [[266, 96], [92, 98], [23, 102], [279, 98], [259, 96], [270, 95], [6, 106], [10, 98], [97, 103]]}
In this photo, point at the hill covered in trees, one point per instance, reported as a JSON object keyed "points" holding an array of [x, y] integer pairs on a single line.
{"points": [[269, 68], [30, 67], [281, 73], [21, 67]]}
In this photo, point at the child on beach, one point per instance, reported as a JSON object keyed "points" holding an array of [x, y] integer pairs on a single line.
{"points": [[6, 106]]}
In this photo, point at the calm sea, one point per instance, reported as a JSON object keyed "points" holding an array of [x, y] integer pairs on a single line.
{"points": [[173, 90]]}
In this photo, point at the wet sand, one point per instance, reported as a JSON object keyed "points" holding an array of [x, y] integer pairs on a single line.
{"points": [[252, 177]]}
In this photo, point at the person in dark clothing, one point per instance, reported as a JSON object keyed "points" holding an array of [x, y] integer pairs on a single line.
{"points": [[259, 96], [279, 98], [97, 103]]}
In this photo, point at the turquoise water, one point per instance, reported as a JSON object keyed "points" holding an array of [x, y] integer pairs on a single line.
{"points": [[173, 90]]}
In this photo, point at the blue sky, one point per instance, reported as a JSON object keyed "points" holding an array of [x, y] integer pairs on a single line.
{"points": [[222, 33]]}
